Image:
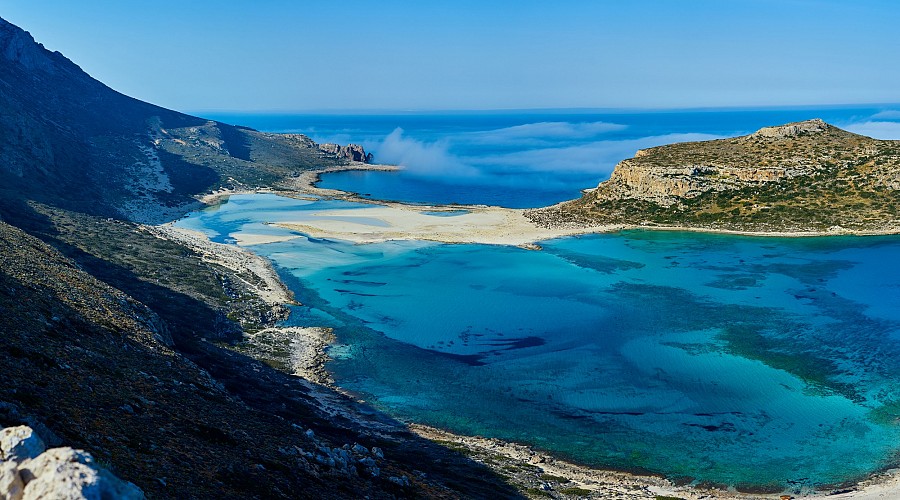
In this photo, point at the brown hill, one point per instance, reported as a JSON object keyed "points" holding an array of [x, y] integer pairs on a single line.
{"points": [[799, 177]]}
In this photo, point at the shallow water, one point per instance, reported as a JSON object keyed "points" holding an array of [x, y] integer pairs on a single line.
{"points": [[722, 358]]}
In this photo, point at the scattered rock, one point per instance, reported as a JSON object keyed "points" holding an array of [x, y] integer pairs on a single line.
{"points": [[399, 481], [28, 472], [20, 443]]}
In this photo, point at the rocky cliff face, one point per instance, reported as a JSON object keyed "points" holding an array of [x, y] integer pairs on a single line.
{"points": [[351, 152], [667, 174], [18, 46], [806, 176]]}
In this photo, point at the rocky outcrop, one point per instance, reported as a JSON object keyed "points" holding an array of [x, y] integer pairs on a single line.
{"points": [[18, 46], [29, 472], [806, 176], [665, 185], [665, 175], [791, 129], [351, 152]]}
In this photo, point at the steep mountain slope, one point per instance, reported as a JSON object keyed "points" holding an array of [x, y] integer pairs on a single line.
{"points": [[805, 176], [90, 366], [121, 343], [68, 140]]}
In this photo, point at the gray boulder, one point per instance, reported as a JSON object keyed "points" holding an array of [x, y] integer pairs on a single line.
{"points": [[68, 474], [28, 471], [19, 443]]}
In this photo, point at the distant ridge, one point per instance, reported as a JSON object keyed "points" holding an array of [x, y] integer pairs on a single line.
{"points": [[70, 141], [800, 177]]}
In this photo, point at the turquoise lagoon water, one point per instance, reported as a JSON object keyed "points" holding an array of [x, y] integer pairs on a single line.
{"points": [[737, 360]]}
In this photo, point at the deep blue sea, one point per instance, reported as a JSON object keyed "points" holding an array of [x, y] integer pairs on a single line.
{"points": [[737, 360], [528, 159]]}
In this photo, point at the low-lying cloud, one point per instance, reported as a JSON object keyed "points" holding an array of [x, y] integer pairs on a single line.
{"points": [[575, 163], [422, 158], [876, 129], [887, 114], [544, 130], [599, 157]]}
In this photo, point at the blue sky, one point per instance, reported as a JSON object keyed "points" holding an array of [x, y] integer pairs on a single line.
{"points": [[274, 55]]}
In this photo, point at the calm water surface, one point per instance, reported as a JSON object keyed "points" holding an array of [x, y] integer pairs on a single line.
{"points": [[524, 158], [722, 358]]}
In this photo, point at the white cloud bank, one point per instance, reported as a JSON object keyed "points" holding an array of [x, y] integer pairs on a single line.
{"points": [[888, 114], [583, 163], [422, 158], [876, 129]]}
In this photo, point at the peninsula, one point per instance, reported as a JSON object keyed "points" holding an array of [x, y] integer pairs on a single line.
{"points": [[807, 177]]}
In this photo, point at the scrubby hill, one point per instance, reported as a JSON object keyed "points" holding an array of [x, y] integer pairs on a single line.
{"points": [[805, 176]]}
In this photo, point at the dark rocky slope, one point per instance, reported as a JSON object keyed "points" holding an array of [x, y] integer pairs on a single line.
{"points": [[89, 366], [68, 140], [119, 343]]}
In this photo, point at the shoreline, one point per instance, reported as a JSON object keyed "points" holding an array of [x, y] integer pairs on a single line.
{"points": [[482, 224], [307, 180], [494, 226], [617, 484], [309, 356]]}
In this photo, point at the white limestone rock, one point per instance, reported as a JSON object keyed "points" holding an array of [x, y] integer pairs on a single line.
{"points": [[792, 129], [68, 474], [20, 443], [11, 485]]}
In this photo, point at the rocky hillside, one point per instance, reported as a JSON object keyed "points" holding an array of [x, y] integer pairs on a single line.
{"points": [[68, 140], [120, 347], [127, 346], [805, 176]]}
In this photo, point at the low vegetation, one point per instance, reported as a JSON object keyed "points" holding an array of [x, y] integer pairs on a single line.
{"points": [[825, 179]]}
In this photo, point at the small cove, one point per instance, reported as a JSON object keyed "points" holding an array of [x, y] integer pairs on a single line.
{"points": [[722, 358]]}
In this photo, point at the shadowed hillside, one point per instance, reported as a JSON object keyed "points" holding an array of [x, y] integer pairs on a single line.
{"points": [[121, 343], [68, 140]]}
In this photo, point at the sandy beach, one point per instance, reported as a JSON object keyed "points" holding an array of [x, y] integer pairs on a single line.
{"points": [[395, 221], [491, 225]]}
